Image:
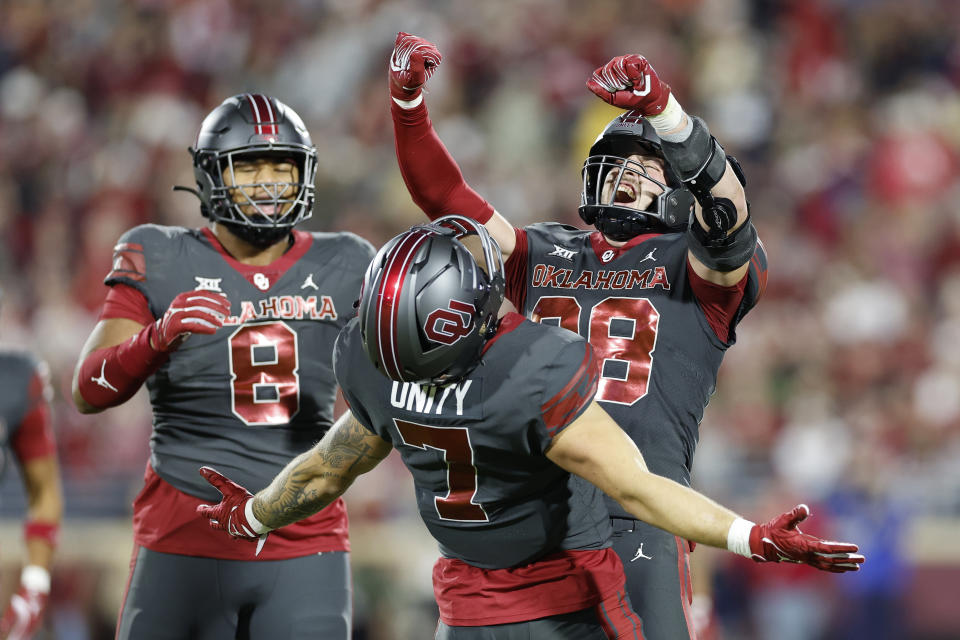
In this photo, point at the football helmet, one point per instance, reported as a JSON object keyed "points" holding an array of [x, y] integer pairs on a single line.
{"points": [[626, 135], [254, 126], [427, 307]]}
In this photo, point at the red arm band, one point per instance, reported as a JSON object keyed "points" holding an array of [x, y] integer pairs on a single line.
{"points": [[110, 376], [49, 532], [429, 171]]}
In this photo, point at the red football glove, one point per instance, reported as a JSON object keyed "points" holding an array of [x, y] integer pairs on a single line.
{"points": [[630, 82], [25, 611], [780, 540], [230, 514], [412, 63], [190, 312]]}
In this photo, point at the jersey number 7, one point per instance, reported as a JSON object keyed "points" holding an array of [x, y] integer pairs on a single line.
{"points": [[459, 503]]}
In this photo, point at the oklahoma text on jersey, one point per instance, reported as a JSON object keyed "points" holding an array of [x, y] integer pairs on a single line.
{"points": [[285, 308], [545, 275]]}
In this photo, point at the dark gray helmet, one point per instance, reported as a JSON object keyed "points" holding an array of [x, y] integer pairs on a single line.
{"points": [[254, 125], [630, 134], [427, 308]]}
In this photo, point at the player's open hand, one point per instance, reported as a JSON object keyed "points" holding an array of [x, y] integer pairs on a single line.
{"points": [[780, 540], [630, 82], [190, 312], [24, 614], [231, 513], [412, 63]]}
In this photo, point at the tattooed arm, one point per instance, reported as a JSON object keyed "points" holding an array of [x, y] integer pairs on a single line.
{"points": [[319, 476]]}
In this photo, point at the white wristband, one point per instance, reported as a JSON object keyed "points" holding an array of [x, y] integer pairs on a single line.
{"points": [[669, 118], [410, 104], [258, 527], [738, 537], [35, 578]]}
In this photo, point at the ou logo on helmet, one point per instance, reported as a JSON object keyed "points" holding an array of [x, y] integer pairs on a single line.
{"points": [[446, 326]]}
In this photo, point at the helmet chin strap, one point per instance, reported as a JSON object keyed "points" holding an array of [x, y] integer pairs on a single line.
{"points": [[624, 225]]}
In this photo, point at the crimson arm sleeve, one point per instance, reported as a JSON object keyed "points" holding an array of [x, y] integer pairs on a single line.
{"points": [[110, 376], [431, 174], [516, 271]]}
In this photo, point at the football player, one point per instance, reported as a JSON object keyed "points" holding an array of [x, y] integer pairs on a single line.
{"points": [[26, 435], [232, 328], [495, 418], [658, 288]]}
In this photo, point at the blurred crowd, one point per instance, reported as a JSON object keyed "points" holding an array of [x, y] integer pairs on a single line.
{"points": [[844, 386]]}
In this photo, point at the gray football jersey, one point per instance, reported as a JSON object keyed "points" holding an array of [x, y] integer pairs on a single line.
{"points": [[484, 487], [658, 355], [261, 390]]}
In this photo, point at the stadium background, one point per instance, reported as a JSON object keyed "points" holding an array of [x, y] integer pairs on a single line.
{"points": [[844, 387]]}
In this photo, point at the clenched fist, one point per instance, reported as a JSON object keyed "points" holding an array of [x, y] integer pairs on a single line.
{"points": [[190, 312], [412, 63], [630, 82]]}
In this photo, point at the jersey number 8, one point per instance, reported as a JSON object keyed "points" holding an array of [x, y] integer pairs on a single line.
{"points": [[264, 381]]}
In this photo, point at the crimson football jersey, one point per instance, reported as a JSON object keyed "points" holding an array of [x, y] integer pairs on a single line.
{"points": [[639, 309]]}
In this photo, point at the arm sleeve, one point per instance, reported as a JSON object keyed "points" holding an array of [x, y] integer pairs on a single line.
{"points": [[516, 271], [571, 384], [34, 438], [431, 174]]}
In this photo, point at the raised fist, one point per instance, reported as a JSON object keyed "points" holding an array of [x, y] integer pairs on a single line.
{"points": [[412, 63], [190, 312], [780, 540], [630, 82]]}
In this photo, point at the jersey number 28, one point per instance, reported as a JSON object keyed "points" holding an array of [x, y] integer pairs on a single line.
{"points": [[623, 334]]}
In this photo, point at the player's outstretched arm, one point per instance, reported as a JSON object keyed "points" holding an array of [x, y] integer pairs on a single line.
{"points": [[432, 176], [121, 353], [722, 243], [595, 448], [306, 485], [318, 477]]}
